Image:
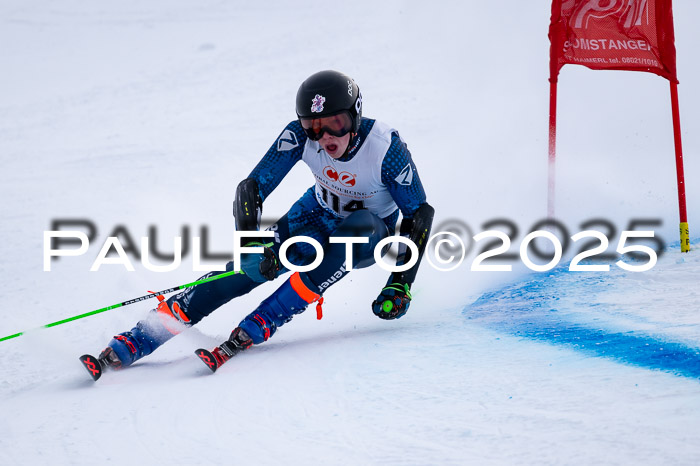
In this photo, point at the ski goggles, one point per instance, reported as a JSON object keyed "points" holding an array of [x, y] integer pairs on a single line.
{"points": [[336, 125]]}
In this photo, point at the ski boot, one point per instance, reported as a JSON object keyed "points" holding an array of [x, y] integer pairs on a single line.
{"points": [[124, 349], [159, 326], [292, 298]]}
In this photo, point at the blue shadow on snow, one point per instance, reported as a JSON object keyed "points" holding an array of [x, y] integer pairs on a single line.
{"points": [[541, 309]]}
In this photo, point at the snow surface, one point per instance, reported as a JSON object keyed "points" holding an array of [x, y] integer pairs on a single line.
{"points": [[149, 113]]}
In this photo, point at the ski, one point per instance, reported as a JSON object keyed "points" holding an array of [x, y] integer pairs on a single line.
{"points": [[218, 356], [237, 342], [207, 358], [93, 365]]}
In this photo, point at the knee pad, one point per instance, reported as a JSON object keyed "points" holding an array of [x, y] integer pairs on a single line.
{"points": [[172, 316], [363, 223]]}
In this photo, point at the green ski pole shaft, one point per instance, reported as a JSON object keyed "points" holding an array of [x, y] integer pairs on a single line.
{"points": [[130, 301]]}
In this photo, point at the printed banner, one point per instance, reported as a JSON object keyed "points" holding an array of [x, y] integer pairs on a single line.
{"points": [[635, 35]]}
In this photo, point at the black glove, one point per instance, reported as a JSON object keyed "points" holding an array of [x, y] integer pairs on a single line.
{"points": [[393, 301], [260, 267]]}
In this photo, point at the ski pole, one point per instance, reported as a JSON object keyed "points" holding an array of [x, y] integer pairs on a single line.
{"points": [[130, 301]]}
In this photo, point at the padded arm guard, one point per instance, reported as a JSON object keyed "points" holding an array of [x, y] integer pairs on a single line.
{"points": [[247, 207], [417, 229]]}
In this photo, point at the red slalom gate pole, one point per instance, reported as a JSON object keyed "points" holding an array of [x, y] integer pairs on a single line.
{"points": [[551, 172], [684, 230]]}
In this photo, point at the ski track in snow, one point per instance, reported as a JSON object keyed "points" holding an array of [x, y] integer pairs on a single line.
{"points": [[136, 114]]}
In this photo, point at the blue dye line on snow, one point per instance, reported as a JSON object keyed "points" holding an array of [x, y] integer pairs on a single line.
{"points": [[537, 310]]}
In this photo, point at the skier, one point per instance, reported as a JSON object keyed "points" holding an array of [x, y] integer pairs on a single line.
{"points": [[364, 176]]}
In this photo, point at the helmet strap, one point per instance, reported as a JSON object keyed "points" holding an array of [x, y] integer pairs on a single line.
{"points": [[350, 141]]}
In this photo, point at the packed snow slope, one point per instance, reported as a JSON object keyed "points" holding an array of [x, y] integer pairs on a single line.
{"points": [[140, 118]]}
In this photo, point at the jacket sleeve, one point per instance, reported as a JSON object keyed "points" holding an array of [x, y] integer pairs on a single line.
{"points": [[284, 153], [400, 176]]}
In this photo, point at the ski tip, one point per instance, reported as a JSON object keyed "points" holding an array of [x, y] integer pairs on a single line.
{"points": [[207, 358], [92, 365]]}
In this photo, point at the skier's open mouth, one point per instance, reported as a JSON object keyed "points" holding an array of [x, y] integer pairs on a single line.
{"points": [[331, 148]]}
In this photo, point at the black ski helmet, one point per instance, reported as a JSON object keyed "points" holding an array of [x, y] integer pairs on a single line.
{"points": [[328, 93]]}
